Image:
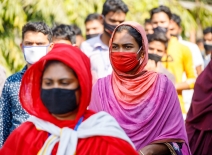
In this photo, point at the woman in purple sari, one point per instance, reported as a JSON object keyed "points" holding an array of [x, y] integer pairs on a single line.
{"points": [[144, 103]]}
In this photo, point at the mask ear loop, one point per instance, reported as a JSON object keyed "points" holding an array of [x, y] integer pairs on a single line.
{"points": [[140, 56]]}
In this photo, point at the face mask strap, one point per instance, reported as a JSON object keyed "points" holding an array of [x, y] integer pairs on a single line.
{"points": [[138, 53]]}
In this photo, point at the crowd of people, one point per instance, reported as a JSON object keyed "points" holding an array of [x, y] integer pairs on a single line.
{"points": [[126, 88]]}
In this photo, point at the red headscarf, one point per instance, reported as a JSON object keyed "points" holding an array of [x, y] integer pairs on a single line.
{"points": [[26, 139], [130, 88], [31, 83]]}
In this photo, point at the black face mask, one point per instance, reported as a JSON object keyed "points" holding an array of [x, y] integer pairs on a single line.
{"points": [[89, 36], [109, 28], [154, 57], [59, 101], [208, 47], [160, 29]]}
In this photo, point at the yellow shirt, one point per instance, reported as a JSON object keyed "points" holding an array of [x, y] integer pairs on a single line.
{"points": [[181, 62]]}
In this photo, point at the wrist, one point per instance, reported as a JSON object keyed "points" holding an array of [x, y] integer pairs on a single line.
{"points": [[147, 150]]}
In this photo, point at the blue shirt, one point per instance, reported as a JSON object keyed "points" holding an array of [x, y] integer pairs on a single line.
{"points": [[11, 112]]}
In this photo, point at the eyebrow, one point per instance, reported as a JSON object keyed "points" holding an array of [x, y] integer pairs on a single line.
{"points": [[124, 44], [33, 42], [59, 79]]}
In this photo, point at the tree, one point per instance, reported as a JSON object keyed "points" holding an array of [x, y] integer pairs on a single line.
{"points": [[15, 13]]}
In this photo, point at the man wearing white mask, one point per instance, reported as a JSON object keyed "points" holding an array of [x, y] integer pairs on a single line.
{"points": [[36, 42]]}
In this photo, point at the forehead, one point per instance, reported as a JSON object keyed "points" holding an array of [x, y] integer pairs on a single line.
{"points": [[208, 36], [35, 36], [160, 16], [93, 23], [116, 15], [61, 69], [157, 45], [123, 37]]}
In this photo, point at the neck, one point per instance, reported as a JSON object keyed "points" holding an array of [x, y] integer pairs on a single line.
{"points": [[105, 38]]}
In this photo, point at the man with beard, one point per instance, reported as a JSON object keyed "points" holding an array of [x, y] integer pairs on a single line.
{"points": [[114, 12], [179, 54]]}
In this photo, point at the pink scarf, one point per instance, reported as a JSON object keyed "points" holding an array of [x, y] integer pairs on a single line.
{"points": [[145, 104]]}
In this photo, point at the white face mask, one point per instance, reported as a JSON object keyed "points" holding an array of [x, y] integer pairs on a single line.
{"points": [[33, 53]]}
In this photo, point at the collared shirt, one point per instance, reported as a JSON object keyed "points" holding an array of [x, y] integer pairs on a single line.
{"points": [[98, 53], [11, 112]]}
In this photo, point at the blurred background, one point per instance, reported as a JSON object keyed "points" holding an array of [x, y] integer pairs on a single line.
{"points": [[195, 14]]}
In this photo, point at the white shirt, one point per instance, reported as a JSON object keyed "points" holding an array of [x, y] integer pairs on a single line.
{"points": [[195, 51], [98, 53]]}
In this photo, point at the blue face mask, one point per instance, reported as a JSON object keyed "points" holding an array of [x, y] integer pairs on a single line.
{"points": [[33, 53]]}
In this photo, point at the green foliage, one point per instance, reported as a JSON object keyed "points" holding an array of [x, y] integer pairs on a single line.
{"points": [[15, 13]]}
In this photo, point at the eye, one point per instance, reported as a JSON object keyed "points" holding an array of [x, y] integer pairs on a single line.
{"points": [[40, 43], [114, 47], [65, 83], [128, 47], [48, 83]]}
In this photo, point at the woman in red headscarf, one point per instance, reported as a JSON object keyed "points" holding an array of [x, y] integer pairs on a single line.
{"points": [[56, 91]]}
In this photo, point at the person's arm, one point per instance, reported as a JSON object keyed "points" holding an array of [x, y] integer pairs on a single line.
{"points": [[189, 70], [5, 116], [199, 69], [155, 149]]}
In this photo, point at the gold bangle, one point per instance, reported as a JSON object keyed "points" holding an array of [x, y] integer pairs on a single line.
{"points": [[141, 152]]}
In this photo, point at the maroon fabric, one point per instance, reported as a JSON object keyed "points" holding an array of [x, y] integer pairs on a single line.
{"points": [[198, 122]]}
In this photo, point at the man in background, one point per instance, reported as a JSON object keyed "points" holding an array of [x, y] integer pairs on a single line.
{"points": [[180, 54], [175, 30], [148, 26], [36, 42], [93, 25], [207, 37], [64, 34], [198, 63], [114, 12], [78, 33]]}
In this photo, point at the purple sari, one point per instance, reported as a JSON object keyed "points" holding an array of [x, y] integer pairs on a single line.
{"points": [[156, 119]]}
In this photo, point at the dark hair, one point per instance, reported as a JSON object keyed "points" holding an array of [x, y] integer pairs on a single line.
{"points": [[147, 21], [158, 36], [114, 5], [65, 32], [207, 30], [76, 29], [159, 9], [133, 32], [176, 19], [37, 27], [92, 16]]}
